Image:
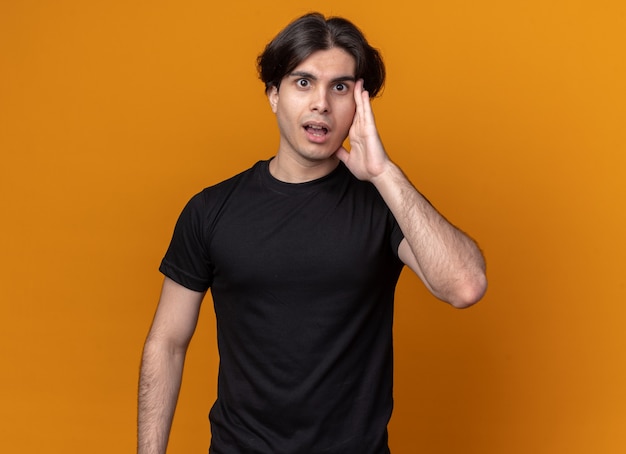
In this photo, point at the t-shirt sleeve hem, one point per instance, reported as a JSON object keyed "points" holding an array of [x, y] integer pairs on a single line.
{"points": [[396, 238], [395, 242], [181, 277]]}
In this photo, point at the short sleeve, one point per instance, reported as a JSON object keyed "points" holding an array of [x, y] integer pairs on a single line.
{"points": [[186, 260], [396, 237]]}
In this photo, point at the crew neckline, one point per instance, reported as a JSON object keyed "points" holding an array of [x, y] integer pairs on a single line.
{"points": [[297, 188]]}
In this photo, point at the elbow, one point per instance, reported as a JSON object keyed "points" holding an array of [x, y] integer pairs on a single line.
{"points": [[469, 292]]}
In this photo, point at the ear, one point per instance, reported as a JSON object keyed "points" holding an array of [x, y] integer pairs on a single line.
{"points": [[272, 96]]}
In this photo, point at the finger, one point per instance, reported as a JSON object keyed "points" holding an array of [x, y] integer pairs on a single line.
{"points": [[365, 95], [358, 91], [366, 105], [360, 86]]}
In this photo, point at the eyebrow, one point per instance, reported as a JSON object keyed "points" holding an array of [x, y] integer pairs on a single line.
{"points": [[307, 75]]}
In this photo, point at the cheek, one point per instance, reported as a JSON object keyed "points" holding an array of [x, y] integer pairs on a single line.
{"points": [[290, 109], [285, 114], [346, 115]]}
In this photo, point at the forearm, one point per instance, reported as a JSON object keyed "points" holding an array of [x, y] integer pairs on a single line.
{"points": [[449, 262], [159, 385]]}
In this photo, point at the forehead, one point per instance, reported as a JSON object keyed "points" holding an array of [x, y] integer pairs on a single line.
{"points": [[331, 63]]}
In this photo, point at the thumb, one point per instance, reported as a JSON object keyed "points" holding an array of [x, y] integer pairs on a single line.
{"points": [[342, 154]]}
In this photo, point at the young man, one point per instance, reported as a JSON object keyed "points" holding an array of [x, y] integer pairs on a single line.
{"points": [[302, 253]]}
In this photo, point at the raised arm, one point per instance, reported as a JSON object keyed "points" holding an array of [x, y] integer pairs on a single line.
{"points": [[162, 365], [449, 262]]}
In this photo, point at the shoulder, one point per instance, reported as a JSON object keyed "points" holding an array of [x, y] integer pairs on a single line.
{"points": [[215, 193], [206, 204], [364, 190]]}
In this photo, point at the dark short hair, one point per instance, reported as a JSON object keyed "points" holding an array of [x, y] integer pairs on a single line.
{"points": [[313, 32]]}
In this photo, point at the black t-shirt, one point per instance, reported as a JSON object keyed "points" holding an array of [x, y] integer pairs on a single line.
{"points": [[302, 278]]}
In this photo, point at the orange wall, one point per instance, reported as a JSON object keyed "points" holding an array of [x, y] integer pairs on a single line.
{"points": [[509, 116]]}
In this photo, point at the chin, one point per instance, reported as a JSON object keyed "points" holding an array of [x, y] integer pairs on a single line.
{"points": [[315, 153], [319, 157]]}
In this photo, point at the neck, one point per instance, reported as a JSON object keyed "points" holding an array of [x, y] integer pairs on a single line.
{"points": [[289, 170]]}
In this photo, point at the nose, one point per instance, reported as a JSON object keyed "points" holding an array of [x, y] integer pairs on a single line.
{"points": [[320, 102]]}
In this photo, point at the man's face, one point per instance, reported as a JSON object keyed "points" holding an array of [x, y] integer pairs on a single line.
{"points": [[315, 106]]}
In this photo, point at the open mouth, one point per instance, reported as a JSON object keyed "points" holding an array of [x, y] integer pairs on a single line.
{"points": [[316, 130]]}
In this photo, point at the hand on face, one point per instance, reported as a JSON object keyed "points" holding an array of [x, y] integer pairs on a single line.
{"points": [[367, 158]]}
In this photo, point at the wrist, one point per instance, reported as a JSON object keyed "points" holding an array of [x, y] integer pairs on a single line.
{"points": [[386, 173]]}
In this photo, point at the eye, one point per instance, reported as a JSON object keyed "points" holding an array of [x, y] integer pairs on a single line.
{"points": [[341, 87], [302, 83]]}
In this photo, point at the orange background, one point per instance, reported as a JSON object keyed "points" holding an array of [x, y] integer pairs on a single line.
{"points": [[509, 116]]}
